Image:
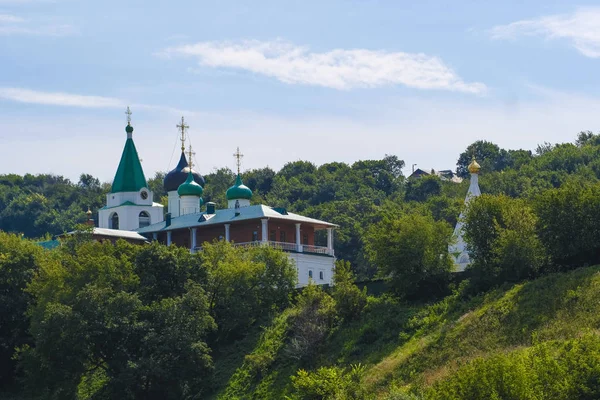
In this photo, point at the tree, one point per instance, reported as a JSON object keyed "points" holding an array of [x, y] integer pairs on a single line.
{"points": [[569, 217], [18, 264], [501, 237], [487, 154], [420, 189], [411, 251], [349, 299]]}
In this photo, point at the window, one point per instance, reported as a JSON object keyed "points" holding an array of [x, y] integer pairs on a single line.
{"points": [[310, 273], [282, 236], [144, 219], [273, 236], [305, 238], [255, 236], [144, 195], [114, 221], [321, 275]]}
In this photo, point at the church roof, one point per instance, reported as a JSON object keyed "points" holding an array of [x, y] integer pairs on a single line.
{"points": [[130, 176], [228, 216], [239, 190], [179, 175]]}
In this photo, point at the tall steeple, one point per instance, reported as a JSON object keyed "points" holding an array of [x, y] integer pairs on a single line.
{"points": [[130, 175], [459, 249], [129, 204]]}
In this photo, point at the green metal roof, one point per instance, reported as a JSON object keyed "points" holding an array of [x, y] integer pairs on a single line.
{"points": [[190, 187], [130, 176], [239, 190]]}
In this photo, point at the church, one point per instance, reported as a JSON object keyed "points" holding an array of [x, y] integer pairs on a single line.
{"points": [[189, 222], [458, 249]]}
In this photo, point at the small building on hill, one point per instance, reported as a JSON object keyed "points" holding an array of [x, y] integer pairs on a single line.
{"points": [[459, 248]]}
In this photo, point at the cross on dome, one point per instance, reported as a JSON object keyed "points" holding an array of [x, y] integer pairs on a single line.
{"points": [[128, 113], [238, 156], [182, 126]]}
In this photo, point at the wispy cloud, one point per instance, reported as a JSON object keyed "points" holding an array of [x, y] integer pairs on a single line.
{"points": [[337, 69], [15, 25], [29, 96], [581, 28], [58, 98], [6, 18]]}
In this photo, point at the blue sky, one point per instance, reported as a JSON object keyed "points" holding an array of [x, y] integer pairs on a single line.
{"points": [[313, 80]]}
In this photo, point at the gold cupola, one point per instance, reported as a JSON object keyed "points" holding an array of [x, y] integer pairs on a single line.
{"points": [[474, 167]]}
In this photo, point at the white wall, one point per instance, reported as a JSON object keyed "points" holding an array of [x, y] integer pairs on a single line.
{"points": [[315, 263]]}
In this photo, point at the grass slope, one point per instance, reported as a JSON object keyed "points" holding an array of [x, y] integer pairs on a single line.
{"points": [[416, 347]]}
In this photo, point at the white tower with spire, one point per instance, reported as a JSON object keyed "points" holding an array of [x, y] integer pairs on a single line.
{"points": [[458, 250]]}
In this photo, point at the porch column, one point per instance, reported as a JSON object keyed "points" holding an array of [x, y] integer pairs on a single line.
{"points": [[330, 241], [194, 236], [265, 229], [155, 236], [169, 238], [298, 242], [227, 232]]}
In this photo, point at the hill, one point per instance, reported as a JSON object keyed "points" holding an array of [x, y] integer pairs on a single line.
{"points": [[459, 347]]}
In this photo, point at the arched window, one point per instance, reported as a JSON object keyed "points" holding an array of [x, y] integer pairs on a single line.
{"points": [[144, 219], [464, 259], [114, 221]]}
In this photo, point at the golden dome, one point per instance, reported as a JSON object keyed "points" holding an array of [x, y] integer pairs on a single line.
{"points": [[474, 167]]}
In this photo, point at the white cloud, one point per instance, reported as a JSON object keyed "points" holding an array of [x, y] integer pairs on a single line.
{"points": [[581, 28], [29, 96], [59, 98], [6, 18], [338, 68]]}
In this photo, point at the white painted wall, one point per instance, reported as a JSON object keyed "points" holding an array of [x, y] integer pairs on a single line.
{"points": [[310, 262], [129, 214]]}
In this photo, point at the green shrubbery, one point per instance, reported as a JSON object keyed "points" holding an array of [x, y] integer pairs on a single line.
{"points": [[547, 371]]}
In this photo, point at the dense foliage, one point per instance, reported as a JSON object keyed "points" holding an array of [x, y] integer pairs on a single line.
{"points": [[97, 321]]}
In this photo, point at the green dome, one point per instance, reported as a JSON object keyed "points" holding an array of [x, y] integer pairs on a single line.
{"points": [[239, 190], [129, 128], [190, 187]]}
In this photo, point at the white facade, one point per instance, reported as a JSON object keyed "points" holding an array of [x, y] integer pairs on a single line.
{"points": [[173, 205], [241, 203], [320, 267], [189, 205], [129, 210], [459, 249]]}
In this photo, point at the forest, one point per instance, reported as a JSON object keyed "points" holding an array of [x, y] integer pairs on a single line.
{"points": [[94, 320]]}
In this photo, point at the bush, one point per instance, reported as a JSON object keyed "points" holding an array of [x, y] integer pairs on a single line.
{"points": [[314, 316], [329, 383], [349, 299], [551, 370]]}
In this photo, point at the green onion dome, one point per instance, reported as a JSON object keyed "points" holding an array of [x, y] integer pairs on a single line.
{"points": [[190, 187], [129, 129], [239, 190]]}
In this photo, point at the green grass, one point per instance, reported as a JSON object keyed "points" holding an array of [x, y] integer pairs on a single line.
{"points": [[416, 346]]}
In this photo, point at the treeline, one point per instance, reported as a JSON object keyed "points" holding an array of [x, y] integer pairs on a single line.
{"points": [[94, 320]]}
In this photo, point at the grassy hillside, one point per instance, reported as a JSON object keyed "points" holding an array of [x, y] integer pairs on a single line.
{"points": [[408, 351]]}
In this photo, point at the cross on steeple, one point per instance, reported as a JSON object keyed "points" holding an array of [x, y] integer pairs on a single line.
{"points": [[128, 113], [191, 155], [238, 156], [183, 127]]}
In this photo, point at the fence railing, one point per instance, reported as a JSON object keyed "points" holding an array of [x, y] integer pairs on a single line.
{"points": [[286, 246]]}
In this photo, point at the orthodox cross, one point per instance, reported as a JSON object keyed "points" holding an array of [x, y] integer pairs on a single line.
{"points": [[238, 156], [191, 155], [128, 113], [183, 127]]}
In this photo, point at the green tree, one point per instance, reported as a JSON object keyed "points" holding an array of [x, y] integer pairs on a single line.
{"points": [[349, 299], [411, 251], [501, 236], [18, 264]]}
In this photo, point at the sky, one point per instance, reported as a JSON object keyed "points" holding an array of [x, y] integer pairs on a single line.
{"points": [[322, 80]]}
